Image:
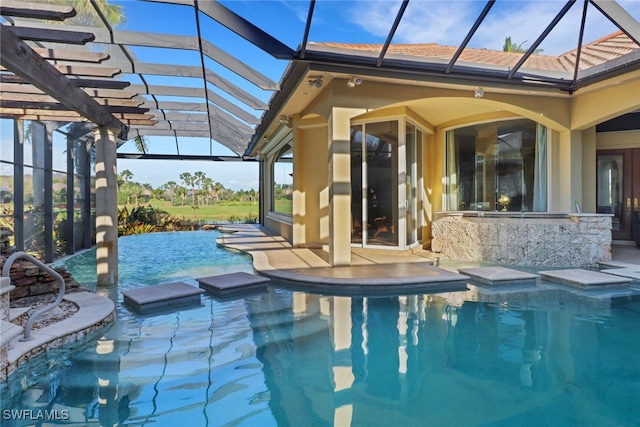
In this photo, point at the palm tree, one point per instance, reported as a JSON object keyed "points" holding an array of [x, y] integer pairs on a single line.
{"points": [[207, 187], [141, 142], [510, 46], [182, 193], [198, 179], [170, 187], [190, 180], [126, 175], [218, 190], [86, 14]]}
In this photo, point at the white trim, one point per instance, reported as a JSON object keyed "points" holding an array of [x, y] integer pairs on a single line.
{"points": [[280, 217]]}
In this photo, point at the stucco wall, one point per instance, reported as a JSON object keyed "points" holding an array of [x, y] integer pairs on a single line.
{"points": [[279, 224], [311, 193], [618, 140]]}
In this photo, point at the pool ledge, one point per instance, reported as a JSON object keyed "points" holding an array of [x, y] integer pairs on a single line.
{"points": [[370, 271], [94, 313]]}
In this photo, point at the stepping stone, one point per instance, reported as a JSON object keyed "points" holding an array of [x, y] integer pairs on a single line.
{"points": [[630, 272], [585, 279], [232, 283], [159, 297], [499, 275], [604, 265]]}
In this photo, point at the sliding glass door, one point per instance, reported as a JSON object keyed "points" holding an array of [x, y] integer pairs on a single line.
{"points": [[384, 180]]}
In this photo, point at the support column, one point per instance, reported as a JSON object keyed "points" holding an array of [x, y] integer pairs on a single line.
{"points": [[340, 186], [106, 207], [566, 183], [589, 172], [18, 184]]}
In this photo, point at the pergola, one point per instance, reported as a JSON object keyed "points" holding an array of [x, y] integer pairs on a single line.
{"points": [[104, 76]]}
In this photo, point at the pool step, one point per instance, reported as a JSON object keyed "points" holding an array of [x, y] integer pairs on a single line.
{"points": [[161, 297], [225, 285], [16, 314], [585, 279], [499, 276], [9, 331]]}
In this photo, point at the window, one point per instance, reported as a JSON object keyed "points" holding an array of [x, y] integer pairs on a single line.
{"points": [[498, 167], [282, 172]]}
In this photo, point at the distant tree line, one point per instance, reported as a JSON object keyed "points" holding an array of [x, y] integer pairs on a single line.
{"points": [[194, 190]]}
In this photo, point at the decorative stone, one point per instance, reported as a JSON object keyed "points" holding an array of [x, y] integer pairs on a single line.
{"points": [[528, 239]]}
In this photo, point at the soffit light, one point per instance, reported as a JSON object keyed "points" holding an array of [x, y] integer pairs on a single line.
{"points": [[285, 120], [354, 81], [315, 82]]}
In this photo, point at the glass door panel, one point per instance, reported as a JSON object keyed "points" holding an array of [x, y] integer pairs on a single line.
{"points": [[381, 177], [610, 188], [410, 183], [618, 190], [357, 193]]}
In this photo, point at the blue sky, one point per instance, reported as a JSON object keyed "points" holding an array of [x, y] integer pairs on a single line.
{"points": [[425, 21], [442, 22]]}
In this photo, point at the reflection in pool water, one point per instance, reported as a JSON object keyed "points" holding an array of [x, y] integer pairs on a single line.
{"points": [[281, 357]]}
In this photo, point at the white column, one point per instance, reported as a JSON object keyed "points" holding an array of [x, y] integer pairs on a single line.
{"points": [[106, 207]]}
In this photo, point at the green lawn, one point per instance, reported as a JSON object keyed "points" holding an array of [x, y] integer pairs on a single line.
{"points": [[217, 213]]}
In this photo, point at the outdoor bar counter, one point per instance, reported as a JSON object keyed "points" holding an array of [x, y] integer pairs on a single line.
{"points": [[523, 238]]}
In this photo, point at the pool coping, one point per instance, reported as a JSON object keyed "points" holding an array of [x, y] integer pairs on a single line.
{"points": [[372, 271], [94, 313]]}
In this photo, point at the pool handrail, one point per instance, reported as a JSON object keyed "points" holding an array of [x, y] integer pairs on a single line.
{"points": [[6, 270]]}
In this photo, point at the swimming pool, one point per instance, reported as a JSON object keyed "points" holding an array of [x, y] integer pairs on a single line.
{"points": [[540, 356]]}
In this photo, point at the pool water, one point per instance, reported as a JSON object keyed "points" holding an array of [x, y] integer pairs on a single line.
{"points": [[543, 356]]}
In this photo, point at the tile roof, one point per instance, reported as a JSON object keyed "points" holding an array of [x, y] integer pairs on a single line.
{"points": [[598, 52]]}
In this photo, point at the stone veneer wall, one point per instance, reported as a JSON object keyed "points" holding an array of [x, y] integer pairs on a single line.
{"points": [[528, 239]]}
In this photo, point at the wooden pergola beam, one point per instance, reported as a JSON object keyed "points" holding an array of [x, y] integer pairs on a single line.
{"points": [[49, 12], [70, 118], [82, 70], [31, 100], [71, 55], [55, 106], [20, 59], [54, 36], [9, 112], [84, 83]]}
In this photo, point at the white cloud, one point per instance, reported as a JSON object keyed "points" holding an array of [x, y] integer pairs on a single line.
{"points": [[447, 22]]}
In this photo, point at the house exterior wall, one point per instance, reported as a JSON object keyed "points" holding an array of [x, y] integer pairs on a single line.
{"points": [[311, 184], [618, 140], [322, 202]]}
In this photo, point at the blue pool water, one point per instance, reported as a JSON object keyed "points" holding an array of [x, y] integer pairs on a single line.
{"points": [[543, 356]]}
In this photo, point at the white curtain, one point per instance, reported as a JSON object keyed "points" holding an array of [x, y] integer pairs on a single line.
{"points": [[540, 171], [451, 187]]}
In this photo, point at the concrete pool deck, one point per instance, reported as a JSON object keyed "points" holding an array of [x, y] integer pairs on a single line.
{"points": [[274, 257]]}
